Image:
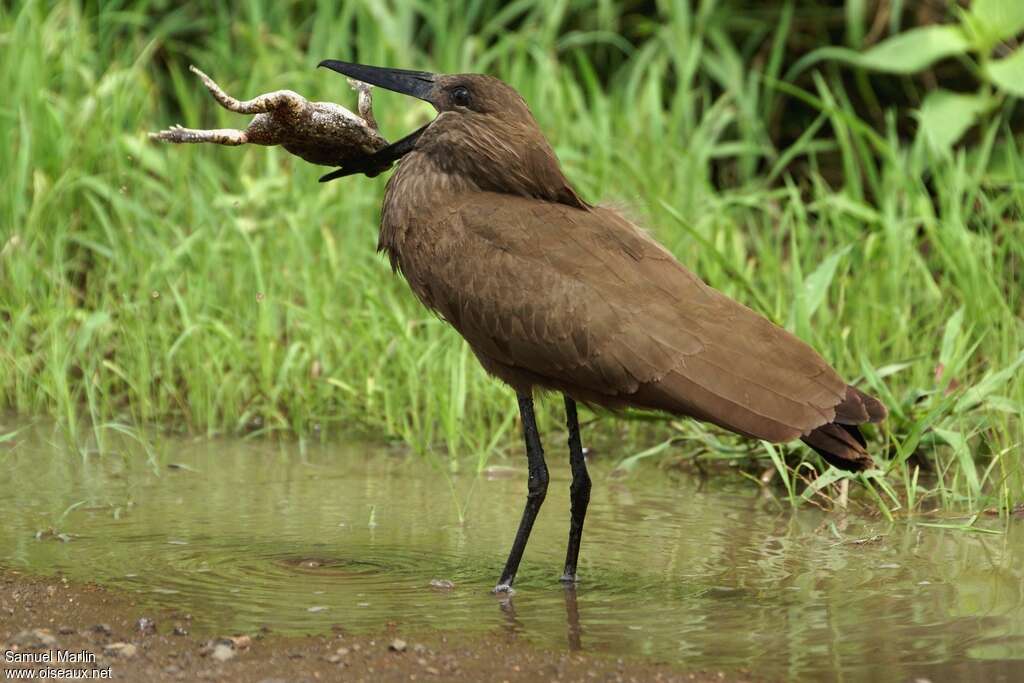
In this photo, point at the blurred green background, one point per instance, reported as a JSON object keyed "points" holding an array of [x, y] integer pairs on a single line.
{"points": [[851, 169]]}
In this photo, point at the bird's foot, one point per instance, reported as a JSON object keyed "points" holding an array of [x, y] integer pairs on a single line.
{"points": [[569, 579], [503, 589]]}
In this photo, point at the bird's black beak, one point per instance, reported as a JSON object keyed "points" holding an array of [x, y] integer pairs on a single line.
{"points": [[416, 83], [373, 165]]}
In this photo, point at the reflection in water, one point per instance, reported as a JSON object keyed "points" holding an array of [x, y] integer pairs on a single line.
{"points": [[572, 618], [508, 610], [710, 575]]}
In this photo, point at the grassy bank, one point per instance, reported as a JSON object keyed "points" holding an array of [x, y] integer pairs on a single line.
{"points": [[223, 290]]}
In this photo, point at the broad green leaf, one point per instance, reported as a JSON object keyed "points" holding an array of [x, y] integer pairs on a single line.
{"points": [[829, 476], [951, 337], [90, 328], [4, 438], [1008, 73], [997, 20], [893, 368], [958, 442], [966, 526], [945, 116], [630, 462], [988, 384], [906, 53], [915, 49], [1004, 404], [817, 283]]}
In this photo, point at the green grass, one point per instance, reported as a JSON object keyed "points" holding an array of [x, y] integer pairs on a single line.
{"points": [[220, 290]]}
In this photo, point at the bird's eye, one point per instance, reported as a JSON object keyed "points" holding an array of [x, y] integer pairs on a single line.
{"points": [[460, 97]]}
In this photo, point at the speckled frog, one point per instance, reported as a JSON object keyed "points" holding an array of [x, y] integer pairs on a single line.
{"points": [[320, 132]]}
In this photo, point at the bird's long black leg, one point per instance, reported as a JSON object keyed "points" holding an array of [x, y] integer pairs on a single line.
{"points": [[579, 491], [537, 488]]}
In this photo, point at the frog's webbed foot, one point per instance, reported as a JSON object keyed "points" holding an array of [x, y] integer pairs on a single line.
{"points": [[365, 102], [217, 136], [272, 101]]}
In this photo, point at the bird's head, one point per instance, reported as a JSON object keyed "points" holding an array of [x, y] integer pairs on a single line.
{"points": [[484, 130]]}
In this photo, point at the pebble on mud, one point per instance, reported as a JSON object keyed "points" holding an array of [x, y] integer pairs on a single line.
{"points": [[493, 472], [222, 652], [179, 631], [145, 625], [240, 642], [102, 629], [35, 639], [125, 650], [397, 645], [53, 535]]}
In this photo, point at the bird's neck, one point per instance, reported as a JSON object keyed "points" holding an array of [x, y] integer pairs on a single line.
{"points": [[416, 191], [426, 183], [420, 179]]}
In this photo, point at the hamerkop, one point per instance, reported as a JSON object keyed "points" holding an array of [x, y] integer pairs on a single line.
{"points": [[554, 293]]}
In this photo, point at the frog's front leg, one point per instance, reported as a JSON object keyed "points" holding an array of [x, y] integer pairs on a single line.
{"points": [[365, 102]]}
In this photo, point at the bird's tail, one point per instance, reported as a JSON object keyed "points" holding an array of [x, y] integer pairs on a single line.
{"points": [[840, 442]]}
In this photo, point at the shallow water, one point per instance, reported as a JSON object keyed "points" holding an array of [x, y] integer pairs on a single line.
{"points": [[710, 575]]}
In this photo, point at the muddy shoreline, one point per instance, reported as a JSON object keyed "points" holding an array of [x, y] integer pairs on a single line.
{"points": [[47, 619]]}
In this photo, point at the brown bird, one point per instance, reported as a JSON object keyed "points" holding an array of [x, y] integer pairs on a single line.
{"points": [[554, 293]]}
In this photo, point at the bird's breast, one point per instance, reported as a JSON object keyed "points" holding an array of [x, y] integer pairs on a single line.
{"points": [[414, 232]]}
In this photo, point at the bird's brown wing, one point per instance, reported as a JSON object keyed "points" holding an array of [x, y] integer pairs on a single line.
{"points": [[584, 299]]}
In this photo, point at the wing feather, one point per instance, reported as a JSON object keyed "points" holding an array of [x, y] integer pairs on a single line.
{"points": [[584, 299]]}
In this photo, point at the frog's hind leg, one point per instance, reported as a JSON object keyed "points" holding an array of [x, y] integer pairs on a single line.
{"points": [[270, 102], [217, 136]]}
